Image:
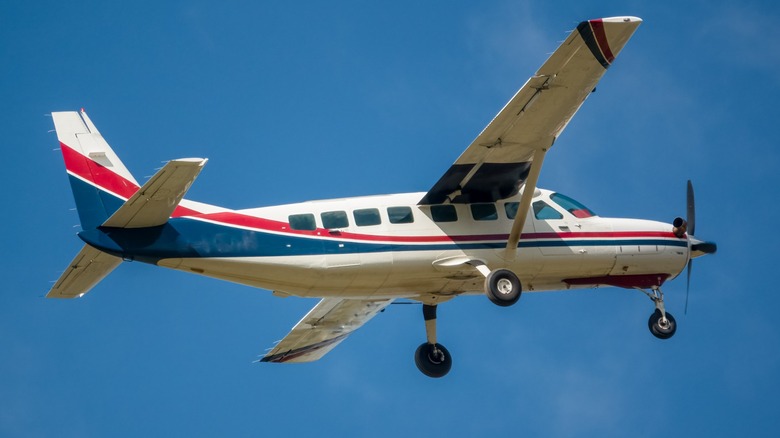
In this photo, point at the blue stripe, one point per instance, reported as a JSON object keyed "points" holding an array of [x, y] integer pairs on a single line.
{"points": [[94, 206], [182, 237]]}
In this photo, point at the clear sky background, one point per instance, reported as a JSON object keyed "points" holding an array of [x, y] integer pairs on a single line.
{"points": [[294, 101]]}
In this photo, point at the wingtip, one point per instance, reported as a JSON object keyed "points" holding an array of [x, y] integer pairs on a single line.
{"points": [[625, 19]]}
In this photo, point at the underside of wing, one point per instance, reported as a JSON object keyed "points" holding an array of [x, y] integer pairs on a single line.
{"points": [[498, 161], [85, 271], [324, 327]]}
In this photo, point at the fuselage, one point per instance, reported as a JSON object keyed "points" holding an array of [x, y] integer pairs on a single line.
{"points": [[389, 246]]}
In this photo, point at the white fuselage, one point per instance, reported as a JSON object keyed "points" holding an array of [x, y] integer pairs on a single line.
{"points": [[428, 258]]}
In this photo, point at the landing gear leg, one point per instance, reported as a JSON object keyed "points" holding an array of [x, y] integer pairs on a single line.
{"points": [[431, 358], [661, 323]]}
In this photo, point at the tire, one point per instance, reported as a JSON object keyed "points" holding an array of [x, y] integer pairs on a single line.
{"points": [[503, 287], [433, 360], [658, 330]]}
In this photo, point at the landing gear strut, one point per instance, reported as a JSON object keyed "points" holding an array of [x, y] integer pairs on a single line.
{"points": [[661, 323], [502, 287], [431, 358]]}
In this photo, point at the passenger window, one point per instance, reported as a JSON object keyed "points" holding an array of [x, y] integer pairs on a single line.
{"points": [[302, 222], [366, 217], [511, 209], [334, 219], [444, 213], [484, 212], [400, 215], [542, 211]]}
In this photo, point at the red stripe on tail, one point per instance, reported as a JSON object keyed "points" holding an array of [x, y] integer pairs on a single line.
{"points": [[97, 174]]}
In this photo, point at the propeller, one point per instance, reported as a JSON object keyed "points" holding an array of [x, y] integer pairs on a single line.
{"points": [[697, 246], [690, 217], [691, 210]]}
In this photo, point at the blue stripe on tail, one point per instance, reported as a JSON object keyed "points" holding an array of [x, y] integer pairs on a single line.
{"points": [[94, 206]]}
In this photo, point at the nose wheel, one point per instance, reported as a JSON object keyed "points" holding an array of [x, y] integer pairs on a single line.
{"points": [[660, 327], [661, 323]]}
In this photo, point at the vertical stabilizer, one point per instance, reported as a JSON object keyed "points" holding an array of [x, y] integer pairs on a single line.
{"points": [[99, 180]]}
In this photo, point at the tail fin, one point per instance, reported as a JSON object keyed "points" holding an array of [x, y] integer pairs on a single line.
{"points": [[99, 180], [107, 194]]}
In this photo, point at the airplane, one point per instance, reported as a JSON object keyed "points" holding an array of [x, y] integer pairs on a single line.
{"points": [[483, 228]]}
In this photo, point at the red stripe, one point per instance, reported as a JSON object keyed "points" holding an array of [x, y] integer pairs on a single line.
{"points": [[106, 179], [184, 211], [96, 174], [262, 224], [601, 39]]}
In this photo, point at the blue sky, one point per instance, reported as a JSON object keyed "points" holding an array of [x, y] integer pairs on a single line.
{"points": [[309, 100]]}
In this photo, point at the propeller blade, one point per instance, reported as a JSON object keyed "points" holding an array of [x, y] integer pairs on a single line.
{"points": [[691, 218], [688, 285], [691, 210]]}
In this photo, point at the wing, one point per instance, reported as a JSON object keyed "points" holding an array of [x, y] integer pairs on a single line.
{"points": [[85, 271], [499, 160], [324, 327]]}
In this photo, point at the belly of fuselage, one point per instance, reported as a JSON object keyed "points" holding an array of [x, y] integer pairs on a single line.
{"points": [[414, 273]]}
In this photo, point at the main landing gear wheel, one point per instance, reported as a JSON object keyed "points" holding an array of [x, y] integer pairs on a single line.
{"points": [[503, 287], [433, 360], [662, 328]]}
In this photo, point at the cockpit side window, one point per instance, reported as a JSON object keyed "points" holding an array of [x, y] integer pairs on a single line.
{"points": [[572, 206], [542, 211]]}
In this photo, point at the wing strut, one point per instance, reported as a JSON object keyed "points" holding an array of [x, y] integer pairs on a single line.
{"points": [[525, 203]]}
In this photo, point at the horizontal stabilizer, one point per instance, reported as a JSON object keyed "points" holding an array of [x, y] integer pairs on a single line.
{"points": [[155, 202], [85, 271], [323, 328]]}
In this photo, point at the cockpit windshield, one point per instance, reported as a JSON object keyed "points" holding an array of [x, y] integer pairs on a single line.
{"points": [[572, 206]]}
